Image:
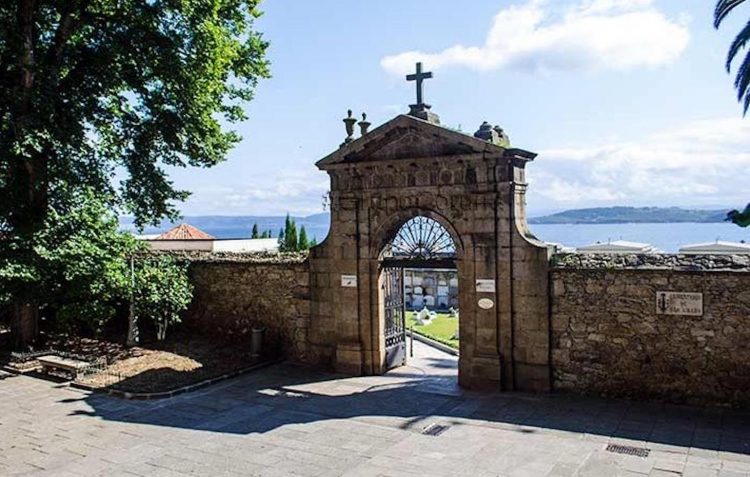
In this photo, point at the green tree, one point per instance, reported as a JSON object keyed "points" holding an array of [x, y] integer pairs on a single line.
{"points": [[84, 266], [290, 235], [281, 240], [255, 232], [742, 80], [740, 218], [303, 243], [80, 266], [88, 87], [162, 291], [313, 242], [82, 273]]}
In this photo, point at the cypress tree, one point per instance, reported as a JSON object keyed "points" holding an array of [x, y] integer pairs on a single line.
{"points": [[303, 243], [282, 241], [255, 232], [290, 235], [313, 242]]}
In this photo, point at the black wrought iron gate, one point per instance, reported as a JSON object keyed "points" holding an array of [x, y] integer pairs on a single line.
{"points": [[395, 317], [421, 242]]}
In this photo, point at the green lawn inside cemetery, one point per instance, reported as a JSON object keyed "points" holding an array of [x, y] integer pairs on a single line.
{"points": [[442, 328]]}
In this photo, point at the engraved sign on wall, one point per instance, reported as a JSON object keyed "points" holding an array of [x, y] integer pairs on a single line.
{"points": [[485, 286], [485, 303], [349, 281], [679, 303]]}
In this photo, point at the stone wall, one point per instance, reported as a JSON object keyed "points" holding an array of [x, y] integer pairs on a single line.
{"points": [[235, 292], [608, 339]]}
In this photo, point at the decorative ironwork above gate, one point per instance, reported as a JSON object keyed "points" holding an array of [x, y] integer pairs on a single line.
{"points": [[421, 240]]}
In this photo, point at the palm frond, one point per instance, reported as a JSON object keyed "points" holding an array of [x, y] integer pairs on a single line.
{"points": [[742, 39], [723, 8], [742, 82]]}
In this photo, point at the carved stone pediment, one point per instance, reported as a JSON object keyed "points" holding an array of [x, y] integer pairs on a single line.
{"points": [[408, 143], [406, 137]]}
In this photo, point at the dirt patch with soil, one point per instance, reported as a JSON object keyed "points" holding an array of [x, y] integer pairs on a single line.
{"points": [[157, 367]]}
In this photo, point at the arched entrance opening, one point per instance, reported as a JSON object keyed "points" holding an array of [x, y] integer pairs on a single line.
{"points": [[419, 289]]}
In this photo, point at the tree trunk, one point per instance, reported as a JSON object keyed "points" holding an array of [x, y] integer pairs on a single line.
{"points": [[28, 178], [133, 331], [24, 324], [161, 330]]}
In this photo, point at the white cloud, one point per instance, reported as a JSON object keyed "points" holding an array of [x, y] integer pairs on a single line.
{"points": [[296, 192], [592, 34], [704, 162]]}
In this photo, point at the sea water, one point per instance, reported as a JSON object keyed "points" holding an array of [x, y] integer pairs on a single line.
{"points": [[665, 237]]}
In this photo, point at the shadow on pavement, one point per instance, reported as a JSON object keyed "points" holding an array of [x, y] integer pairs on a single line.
{"points": [[285, 394]]}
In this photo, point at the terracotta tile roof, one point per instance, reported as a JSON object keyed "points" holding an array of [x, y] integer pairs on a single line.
{"points": [[184, 232]]}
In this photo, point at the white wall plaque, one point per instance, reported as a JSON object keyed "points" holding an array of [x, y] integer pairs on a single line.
{"points": [[485, 303], [485, 286], [349, 281], [679, 303]]}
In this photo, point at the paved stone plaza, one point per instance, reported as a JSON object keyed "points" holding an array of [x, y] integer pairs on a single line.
{"points": [[291, 421]]}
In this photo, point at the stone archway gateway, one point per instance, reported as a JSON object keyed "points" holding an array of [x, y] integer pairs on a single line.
{"points": [[420, 243], [474, 188]]}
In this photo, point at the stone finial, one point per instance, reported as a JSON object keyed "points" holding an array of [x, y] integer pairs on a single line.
{"points": [[493, 134], [349, 122], [484, 131], [364, 124], [503, 138]]}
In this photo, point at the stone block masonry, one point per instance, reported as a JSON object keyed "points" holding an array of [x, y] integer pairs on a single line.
{"points": [[604, 332], [607, 337], [235, 292]]}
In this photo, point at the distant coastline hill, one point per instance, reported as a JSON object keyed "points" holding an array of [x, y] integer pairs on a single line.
{"points": [[225, 227], [631, 215]]}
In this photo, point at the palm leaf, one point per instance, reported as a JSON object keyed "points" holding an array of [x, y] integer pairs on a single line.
{"points": [[723, 8], [742, 38], [743, 81]]}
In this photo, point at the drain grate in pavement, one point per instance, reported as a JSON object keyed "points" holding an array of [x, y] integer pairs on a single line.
{"points": [[434, 430], [628, 450]]}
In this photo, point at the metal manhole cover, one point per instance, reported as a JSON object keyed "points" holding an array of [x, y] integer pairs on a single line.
{"points": [[628, 450], [434, 430]]}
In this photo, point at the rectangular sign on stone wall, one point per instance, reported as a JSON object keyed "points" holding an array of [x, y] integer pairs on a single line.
{"points": [[485, 286], [679, 303], [349, 281]]}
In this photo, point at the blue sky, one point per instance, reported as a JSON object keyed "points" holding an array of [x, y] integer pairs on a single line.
{"points": [[626, 101]]}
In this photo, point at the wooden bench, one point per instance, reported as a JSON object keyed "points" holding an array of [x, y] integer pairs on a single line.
{"points": [[71, 366]]}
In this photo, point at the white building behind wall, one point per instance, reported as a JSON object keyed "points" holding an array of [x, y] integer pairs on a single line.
{"points": [[185, 237], [716, 248], [619, 246]]}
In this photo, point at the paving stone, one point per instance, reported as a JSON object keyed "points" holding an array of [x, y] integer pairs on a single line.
{"points": [[288, 421], [698, 471]]}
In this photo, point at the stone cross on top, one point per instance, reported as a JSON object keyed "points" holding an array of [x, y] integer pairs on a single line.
{"points": [[419, 77], [421, 110]]}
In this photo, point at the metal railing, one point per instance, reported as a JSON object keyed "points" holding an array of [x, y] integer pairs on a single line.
{"points": [[96, 374], [93, 372], [17, 357]]}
